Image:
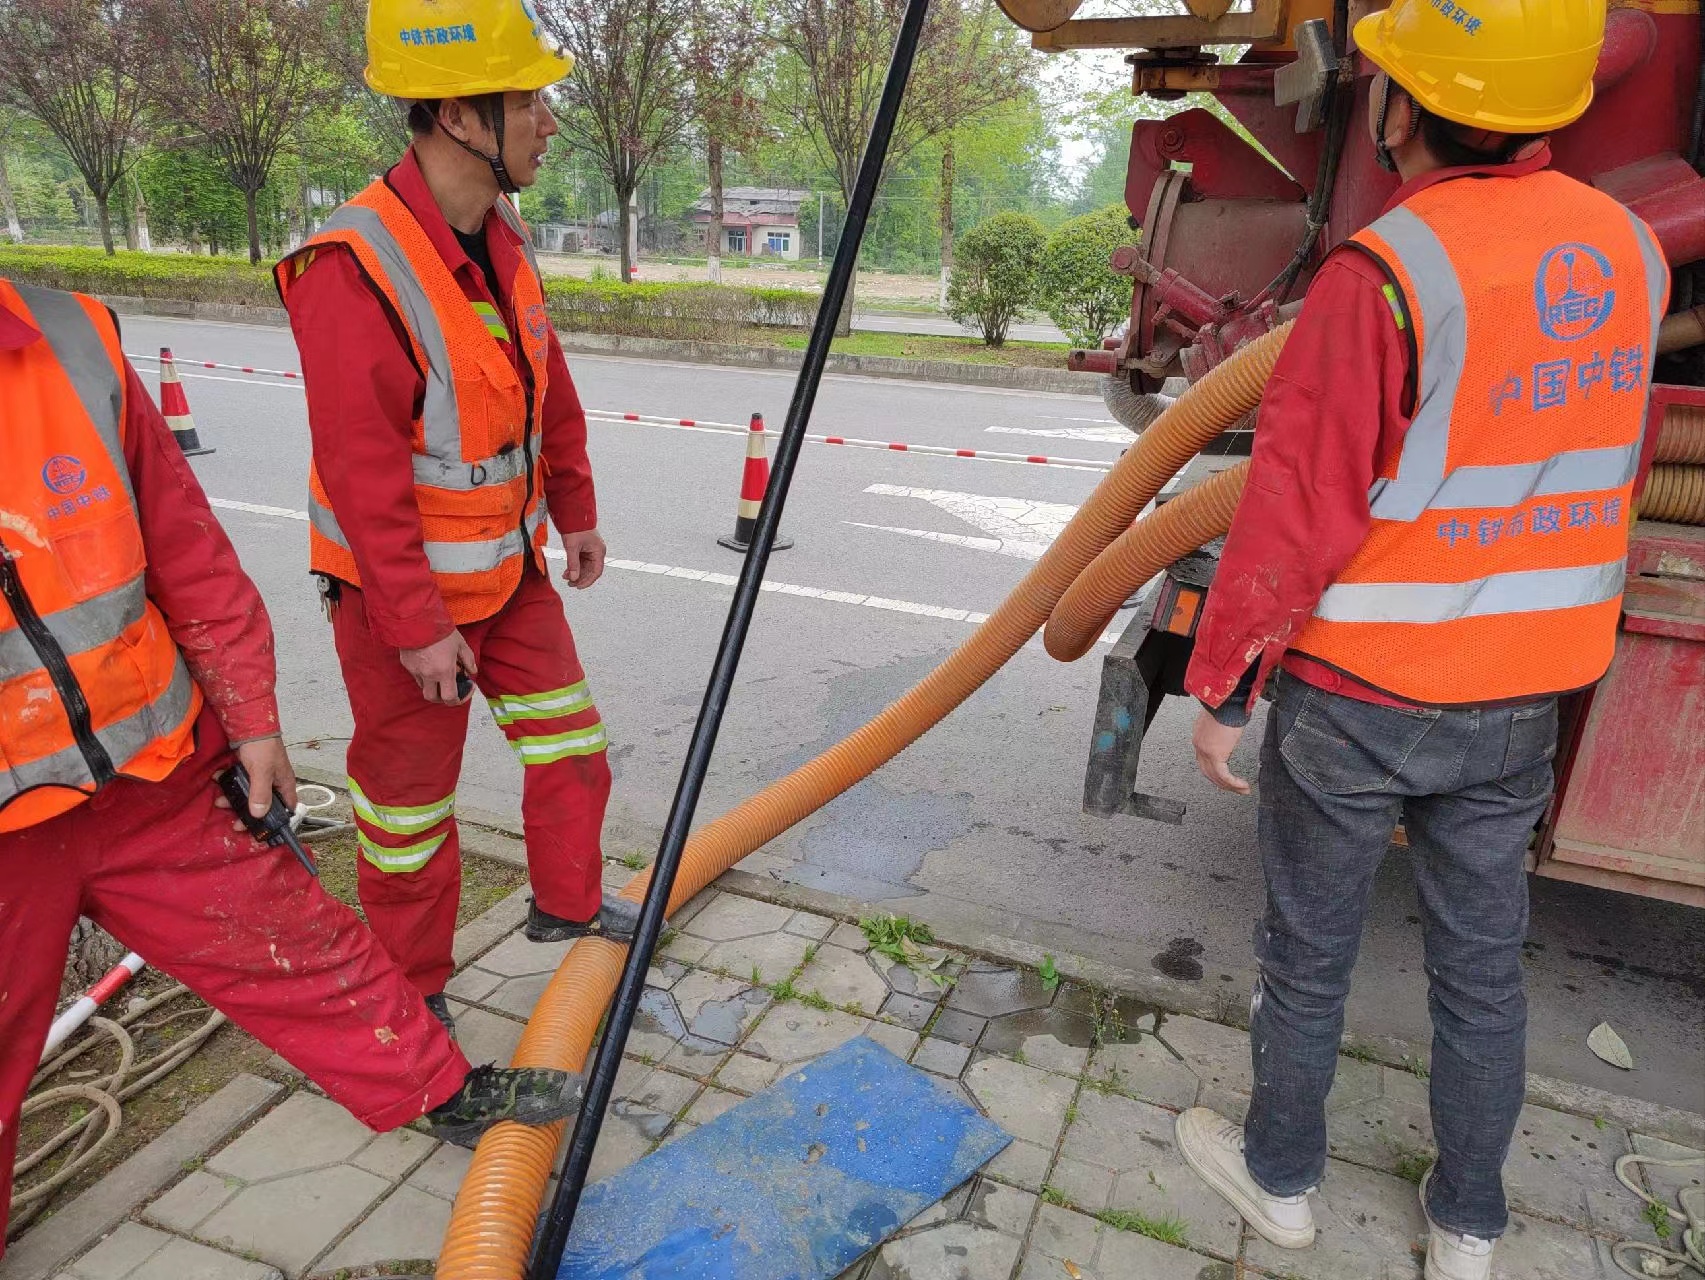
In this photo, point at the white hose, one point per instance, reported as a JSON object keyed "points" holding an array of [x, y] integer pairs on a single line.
{"points": [[1653, 1262]]}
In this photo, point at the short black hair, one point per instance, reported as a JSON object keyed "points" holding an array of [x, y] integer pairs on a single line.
{"points": [[423, 116], [1460, 146]]}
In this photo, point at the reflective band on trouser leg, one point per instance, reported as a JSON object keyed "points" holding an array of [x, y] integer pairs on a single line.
{"points": [[400, 820], [378, 826], [506, 708], [549, 748]]}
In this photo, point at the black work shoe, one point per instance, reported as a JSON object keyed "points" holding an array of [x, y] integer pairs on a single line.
{"points": [[526, 1095], [617, 920], [441, 1010]]}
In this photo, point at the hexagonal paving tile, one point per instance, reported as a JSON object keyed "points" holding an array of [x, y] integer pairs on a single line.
{"points": [[1367, 1227], [718, 1009], [792, 1033], [990, 991], [1027, 1102], [1053, 1039], [729, 917], [844, 977], [768, 957]]}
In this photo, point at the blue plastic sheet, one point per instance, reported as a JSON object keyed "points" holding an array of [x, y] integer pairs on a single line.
{"points": [[795, 1183]]}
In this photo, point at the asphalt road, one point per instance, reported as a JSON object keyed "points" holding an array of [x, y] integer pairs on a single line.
{"points": [[985, 809]]}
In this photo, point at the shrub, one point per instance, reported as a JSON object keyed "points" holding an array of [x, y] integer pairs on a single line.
{"points": [[994, 274], [681, 311], [140, 275], [686, 311], [1079, 288]]}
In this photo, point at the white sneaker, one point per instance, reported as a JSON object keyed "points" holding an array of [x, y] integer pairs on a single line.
{"points": [[1213, 1147], [1450, 1256]]}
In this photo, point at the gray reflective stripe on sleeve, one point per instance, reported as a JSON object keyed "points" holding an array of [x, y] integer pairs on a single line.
{"points": [[438, 410], [447, 557], [77, 345], [1657, 291], [1438, 302], [122, 741], [1578, 471], [80, 628], [1528, 591]]}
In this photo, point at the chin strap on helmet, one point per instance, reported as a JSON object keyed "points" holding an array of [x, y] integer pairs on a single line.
{"points": [[1382, 150], [491, 106]]}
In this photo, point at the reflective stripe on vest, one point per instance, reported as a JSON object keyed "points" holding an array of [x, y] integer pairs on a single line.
{"points": [[1527, 591], [442, 465], [123, 741], [78, 629], [448, 557], [83, 356]]}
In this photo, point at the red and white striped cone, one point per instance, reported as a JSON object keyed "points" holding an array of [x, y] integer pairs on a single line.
{"points": [[174, 407], [752, 485]]}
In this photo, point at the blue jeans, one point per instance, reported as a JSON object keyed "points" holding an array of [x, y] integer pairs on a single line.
{"points": [[1469, 785]]}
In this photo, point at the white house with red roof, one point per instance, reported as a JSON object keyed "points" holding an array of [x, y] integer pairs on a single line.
{"points": [[757, 222]]}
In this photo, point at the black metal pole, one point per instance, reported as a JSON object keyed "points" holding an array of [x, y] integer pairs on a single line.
{"points": [[549, 1245]]}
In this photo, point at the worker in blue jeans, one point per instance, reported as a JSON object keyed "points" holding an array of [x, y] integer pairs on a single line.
{"points": [[1430, 548]]}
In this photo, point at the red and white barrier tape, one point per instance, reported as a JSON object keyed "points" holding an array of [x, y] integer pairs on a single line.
{"points": [[659, 420]]}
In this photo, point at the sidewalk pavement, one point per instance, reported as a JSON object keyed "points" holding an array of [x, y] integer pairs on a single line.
{"points": [[1087, 1083]]}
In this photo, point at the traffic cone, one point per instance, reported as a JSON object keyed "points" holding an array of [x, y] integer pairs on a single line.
{"points": [[174, 407], [752, 485]]}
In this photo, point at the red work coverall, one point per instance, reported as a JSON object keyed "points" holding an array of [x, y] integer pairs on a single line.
{"points": [[157, 866], [406, 753]]}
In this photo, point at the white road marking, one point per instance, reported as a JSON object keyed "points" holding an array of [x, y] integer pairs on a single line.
{"points": [[1058, 417], [1001, 546], [1009, 519], [1103, 435], [693, 575]]}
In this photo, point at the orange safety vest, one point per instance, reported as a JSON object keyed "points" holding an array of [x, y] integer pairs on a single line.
{"points": [[478, 474], [92, 686], [1494, 566]]}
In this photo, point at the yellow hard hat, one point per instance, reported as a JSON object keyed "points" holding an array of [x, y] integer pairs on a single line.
{"points": [[458, 48], [1512, 66]]}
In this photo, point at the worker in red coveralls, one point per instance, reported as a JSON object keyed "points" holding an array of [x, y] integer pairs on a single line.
{"points": [[1429, 550], [136, 662], [444, 427]]}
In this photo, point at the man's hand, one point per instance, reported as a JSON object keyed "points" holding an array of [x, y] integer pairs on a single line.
{"points": [[585, 552], [268, 766], [1214, 744], [434, 668]]}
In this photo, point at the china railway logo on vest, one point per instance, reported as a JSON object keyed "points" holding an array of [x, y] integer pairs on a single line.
{"points": [[1573, 291], [64, 474]]}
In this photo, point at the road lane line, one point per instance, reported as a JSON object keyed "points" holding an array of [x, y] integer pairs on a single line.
{"points": [[711, 577]]}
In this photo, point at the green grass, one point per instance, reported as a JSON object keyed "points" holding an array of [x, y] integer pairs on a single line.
{"points": [[1167, 1230], [633, 861], [1049, 973], [1412, 1166], [920, 346], [1658, 1218], [787, 991], [1054, 1196]]}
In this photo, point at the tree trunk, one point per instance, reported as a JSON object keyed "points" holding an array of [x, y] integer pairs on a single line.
{"points": [[105, 216], [129, 217], [14, 228], [843, 322], [713, 233], [624, 230], [946, 216], [144, 240], [249, 200]]}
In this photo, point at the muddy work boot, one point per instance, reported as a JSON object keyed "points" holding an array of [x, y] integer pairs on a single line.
{"points": [[616, 920], [526, 1095], [440, 1007]]}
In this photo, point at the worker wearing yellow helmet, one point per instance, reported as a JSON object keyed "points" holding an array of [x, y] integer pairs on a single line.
{"points": [[1430, 549], [445, 427]]}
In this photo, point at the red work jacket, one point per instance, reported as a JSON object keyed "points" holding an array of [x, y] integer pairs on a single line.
{"points": [[212, 610], [363, 395]]}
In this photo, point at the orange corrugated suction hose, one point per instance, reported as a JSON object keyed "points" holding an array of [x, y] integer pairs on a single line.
{"points": [[492, 1223]]}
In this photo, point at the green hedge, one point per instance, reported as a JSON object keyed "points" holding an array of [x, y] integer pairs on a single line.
{"points": [[688, 311], [140, 275], [683, 311]]}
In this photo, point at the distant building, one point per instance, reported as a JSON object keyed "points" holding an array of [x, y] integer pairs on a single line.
{"points": [[757, 222]]}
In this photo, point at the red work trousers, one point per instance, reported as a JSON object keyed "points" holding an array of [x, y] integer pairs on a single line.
{"points": [[243, 925], [406, 755]]}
